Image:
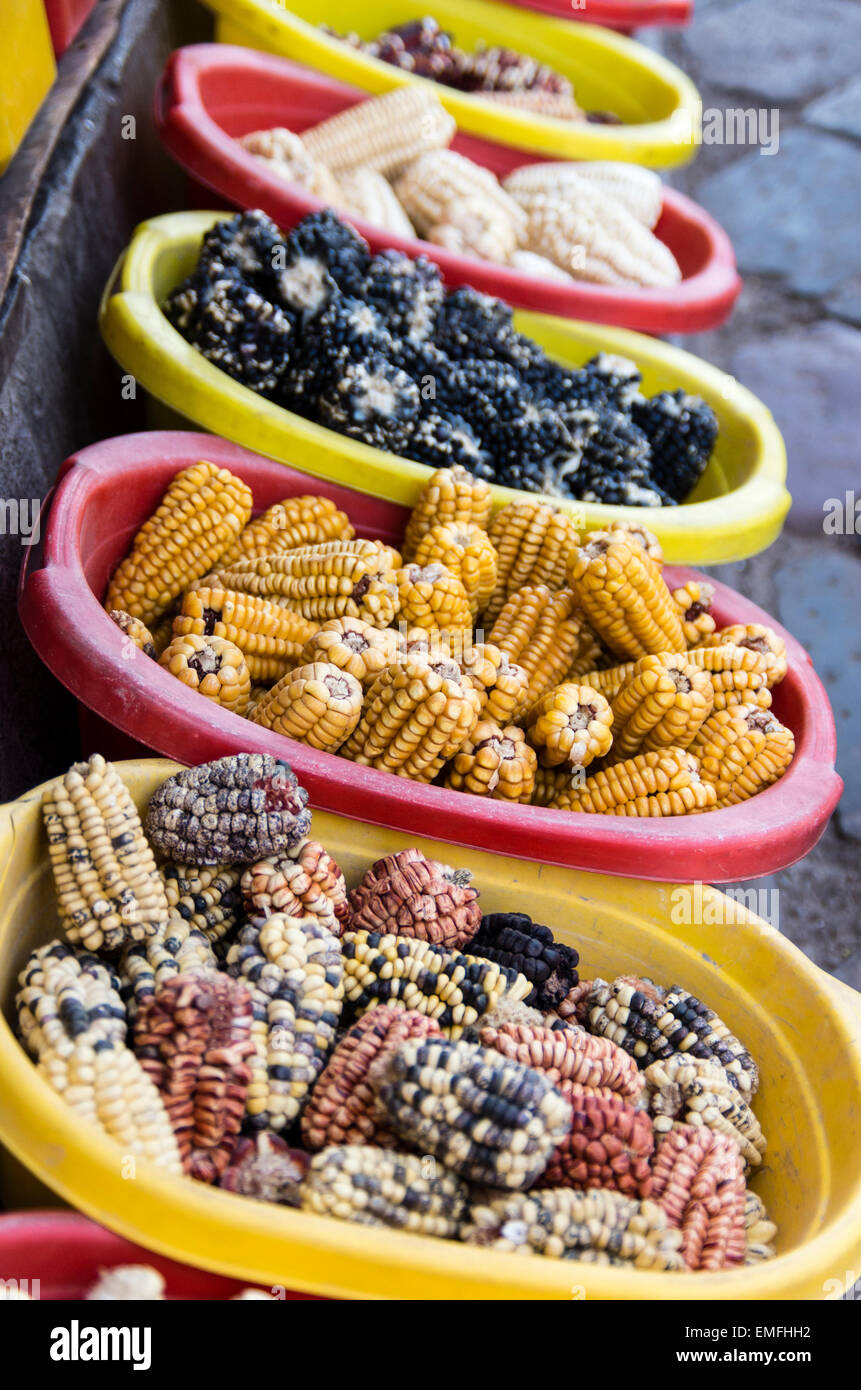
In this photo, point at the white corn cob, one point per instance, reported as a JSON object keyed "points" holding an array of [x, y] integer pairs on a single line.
{"points": [[475, 228], [528, 263], [597, 240], [432, 187], [366, 193], [287, 156], [557, 106], [384, 133], [637, 189]]}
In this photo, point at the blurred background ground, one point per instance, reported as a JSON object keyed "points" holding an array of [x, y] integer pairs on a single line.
{"points": [[795, 339]]}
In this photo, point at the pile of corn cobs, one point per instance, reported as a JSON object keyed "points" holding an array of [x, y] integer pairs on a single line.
{"points": [[386, 160], [505, 657], [374, 348], [386, 1055]]}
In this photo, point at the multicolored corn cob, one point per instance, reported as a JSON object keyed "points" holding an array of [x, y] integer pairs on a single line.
{"points": [[698, 1180], [413, 896], [514, 941], [695, 1091], [375, 1187], [568, 1054], [304, 883]]}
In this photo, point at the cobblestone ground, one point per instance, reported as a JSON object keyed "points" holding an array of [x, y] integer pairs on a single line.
{"points": [[794, 339]]}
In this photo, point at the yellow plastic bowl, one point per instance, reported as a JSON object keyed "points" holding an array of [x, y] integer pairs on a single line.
{"points": [[659, 105], [27, 70], [739, 504], [802, 1028]]}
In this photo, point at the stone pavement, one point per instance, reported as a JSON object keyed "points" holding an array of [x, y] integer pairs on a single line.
{"points": [[794, 339]]}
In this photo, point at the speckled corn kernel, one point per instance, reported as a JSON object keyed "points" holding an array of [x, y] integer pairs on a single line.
{"points": [[413, 896], [375, 1187], [696, 1091], [306, 882]]}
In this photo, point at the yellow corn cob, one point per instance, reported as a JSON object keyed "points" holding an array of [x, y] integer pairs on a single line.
{"points": [[551, 783], [693, 601], [353, 646], [742, 750], [532, 541], [632, 531], [287, 156], [610, 681], [436, 184], [664, 703], [136, 631], [495, 762], [257, 694], [660, 783], [162, 631], [383, 133], [286, 525], [366, 193], [594, 238], [540, 631], [212, 666], [108, 888], [502, 685], [339, 579], [318, 704], [416, 716], [571, 724], [198, 519], [472, 227], [466, 551], [432, 598], [757, 638], [590, 654], [739, 675], [637, 189], [270, 638], [450, 495], [625, 598]]}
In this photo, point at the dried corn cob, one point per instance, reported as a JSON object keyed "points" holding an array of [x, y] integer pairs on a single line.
{"points": [[634, 531], [610, 681], [147, 966], [317, 704], [552, 784], [699, 1182], [128, 1284], [693, 601], [482, 1115], [67, 994], [436, 185], [494, 761], [296, 521], [467, 552], [739, 676], [417, 897], [305, 883], [198, 519], [108, 888], [450, 496], [590, 654], [664, 703], [473, 227], [236, 809], [567, 1054], [513, 940], [558, 106], [759, 1232], [571, 725], [162, 631], [639, 190], [266, 1168], [287, 156], [742, 750], [295, 972], [562, 1223], [208, 900], [594, 238], [539, 267], [540, 631], [383, 133], [533, 541], [610, 1144], [353, 646], [430, 597], [455, 990], [572, 1009], [502, 686], [192, 1037], [375, 1187], [695, 1091], [624, 596], [342, 1108], [754, 637], [270, 637], [416, 716], [136, 631], [367, 194], [338, 579], [212, 666], [665, 782]]}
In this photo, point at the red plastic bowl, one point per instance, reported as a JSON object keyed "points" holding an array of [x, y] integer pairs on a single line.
{"points": [[209, 94], [106, 492], [65, 1252], [624, 15]]}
